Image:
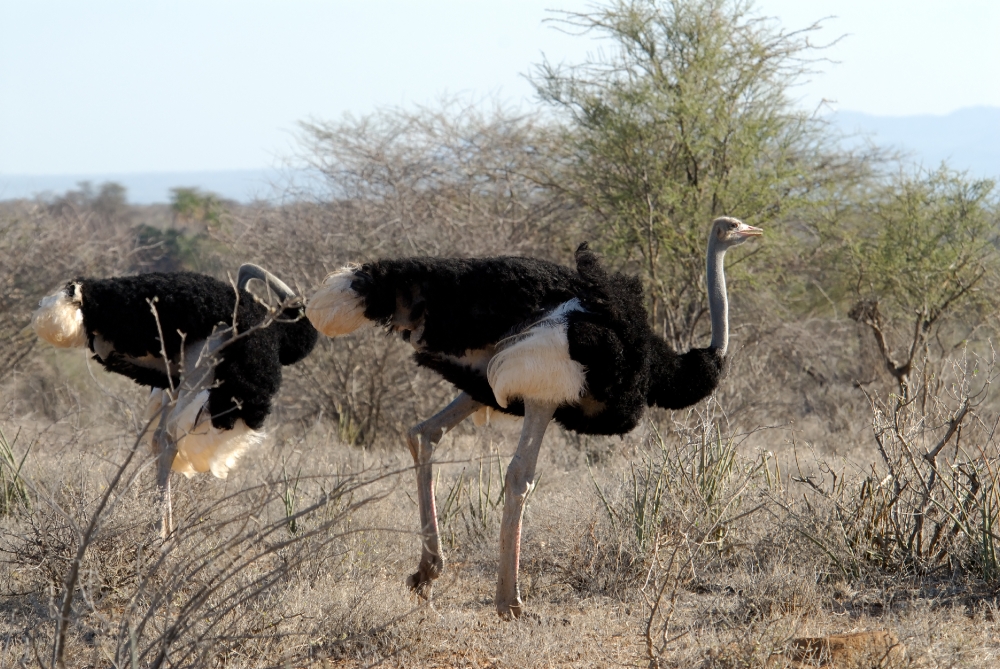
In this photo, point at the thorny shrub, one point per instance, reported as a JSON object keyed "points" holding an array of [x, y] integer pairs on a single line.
{"points": [[930, 503]]}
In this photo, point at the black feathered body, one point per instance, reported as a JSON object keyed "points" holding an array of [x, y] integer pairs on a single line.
{"points": [[117, 311], [456, 311]]}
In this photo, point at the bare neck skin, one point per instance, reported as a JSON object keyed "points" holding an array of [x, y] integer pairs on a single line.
{"points": [[718, 305]]}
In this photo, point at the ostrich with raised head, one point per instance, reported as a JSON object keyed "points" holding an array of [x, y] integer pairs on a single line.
{"points": [[533, 338], [211, 352]]}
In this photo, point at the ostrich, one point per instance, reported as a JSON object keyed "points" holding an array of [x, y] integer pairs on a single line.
{"points": [[212, 383], [527, 337]]}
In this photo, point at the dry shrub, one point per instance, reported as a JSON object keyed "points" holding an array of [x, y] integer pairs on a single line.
{"points": [[228, 582], [366, 385], [805, 370], [41, 540], [929, 502], [452, 180], [448, 181], [235, 579]]}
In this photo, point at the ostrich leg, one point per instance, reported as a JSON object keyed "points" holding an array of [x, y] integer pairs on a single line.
{"points": [[165, 448], [199, 374], [421, 440], [517, 484]]}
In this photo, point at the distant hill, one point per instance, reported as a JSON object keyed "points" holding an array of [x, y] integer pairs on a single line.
{"points": [[151, 187], [968, 139]]}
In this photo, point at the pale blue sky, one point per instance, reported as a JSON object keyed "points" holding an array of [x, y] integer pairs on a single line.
{"points": [[101, 86]]}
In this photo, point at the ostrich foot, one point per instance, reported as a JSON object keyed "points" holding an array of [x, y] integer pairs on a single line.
{"points": [[510, 610], [423, 579]]}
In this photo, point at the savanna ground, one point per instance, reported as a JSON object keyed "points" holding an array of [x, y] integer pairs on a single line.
{"points": [[842, 478], [692, 540]]}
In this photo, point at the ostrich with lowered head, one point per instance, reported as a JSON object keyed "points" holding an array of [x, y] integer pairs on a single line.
{"points": [[211, 353], [533, 338]]}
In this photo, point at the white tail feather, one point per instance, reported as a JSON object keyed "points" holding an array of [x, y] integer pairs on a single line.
{"points": [[59, 320], [335, 309], [201, 447]]}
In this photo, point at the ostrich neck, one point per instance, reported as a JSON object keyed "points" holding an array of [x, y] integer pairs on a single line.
{"points": [[718, 306]]}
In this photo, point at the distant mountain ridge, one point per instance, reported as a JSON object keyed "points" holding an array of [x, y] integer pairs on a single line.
{"points": [[967, 139], [152, 187]]}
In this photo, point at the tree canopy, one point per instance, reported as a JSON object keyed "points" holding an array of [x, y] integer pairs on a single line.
{"points": [[686, 116]]}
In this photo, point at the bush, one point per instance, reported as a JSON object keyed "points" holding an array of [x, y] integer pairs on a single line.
{"points": [[928, 506]]}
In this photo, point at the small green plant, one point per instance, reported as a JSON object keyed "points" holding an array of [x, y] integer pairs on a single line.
{"points": [[347, 429], [645, 497], [451, 509], [289, 496], [481, 508], [691, 470], [13, 489]]}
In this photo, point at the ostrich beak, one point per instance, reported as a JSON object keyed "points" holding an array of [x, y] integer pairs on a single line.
{"points": [[748, 231]]}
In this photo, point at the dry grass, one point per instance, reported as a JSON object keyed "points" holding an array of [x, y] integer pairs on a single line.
{"points": [[682, 544]]}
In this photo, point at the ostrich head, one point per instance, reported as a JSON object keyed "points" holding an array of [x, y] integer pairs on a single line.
{"points": [[729, 232], [297, 336]]}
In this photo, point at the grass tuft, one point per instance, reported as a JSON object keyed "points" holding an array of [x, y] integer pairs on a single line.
{"points": [[13, 488]]}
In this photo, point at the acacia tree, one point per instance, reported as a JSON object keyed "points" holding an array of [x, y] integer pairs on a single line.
{"points": [[922, 248], [686, 117], [192, 205]]}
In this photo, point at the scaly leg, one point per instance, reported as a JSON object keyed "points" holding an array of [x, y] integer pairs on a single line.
{"points": [[517, 484], [165, 448], [421, 440], [198, 374]]}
